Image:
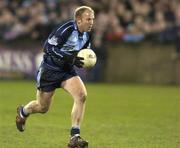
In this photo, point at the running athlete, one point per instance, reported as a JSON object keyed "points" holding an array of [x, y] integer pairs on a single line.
{"points": [[57, 70]]}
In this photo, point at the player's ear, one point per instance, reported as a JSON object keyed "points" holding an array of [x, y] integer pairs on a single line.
{"points": [[78, 19], [78, 22]]}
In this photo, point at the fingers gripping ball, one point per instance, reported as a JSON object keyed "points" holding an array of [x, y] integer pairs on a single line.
{"points": [[89, 57]]}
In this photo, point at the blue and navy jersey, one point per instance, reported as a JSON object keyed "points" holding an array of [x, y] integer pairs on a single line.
{"points": [[66, 40]]}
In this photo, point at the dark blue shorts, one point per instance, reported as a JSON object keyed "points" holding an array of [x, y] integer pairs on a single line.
{"points": [[48, 79]]}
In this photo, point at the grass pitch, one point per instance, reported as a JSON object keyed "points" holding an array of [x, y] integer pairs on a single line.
{"points": [[117, 116]]}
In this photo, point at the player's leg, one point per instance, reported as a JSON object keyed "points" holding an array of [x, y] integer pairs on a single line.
{"points": [[40, 105], [76, 88]]}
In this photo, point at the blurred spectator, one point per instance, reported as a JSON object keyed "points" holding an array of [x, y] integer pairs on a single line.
{"points": [[126, 20], [177, 29]]}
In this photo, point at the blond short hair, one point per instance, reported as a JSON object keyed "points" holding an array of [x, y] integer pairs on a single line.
{"points": [[80, 10]]}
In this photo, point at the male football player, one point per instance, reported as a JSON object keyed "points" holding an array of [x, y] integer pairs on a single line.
{"points": [[57, 70]]}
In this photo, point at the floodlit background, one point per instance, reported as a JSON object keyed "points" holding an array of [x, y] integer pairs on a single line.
{"points": [[133, 91]]}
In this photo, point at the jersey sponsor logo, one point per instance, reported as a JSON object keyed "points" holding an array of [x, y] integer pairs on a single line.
{"points": [[74, 39]]}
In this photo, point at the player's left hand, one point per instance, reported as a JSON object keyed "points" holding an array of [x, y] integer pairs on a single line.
{"points": [[78, 61]]}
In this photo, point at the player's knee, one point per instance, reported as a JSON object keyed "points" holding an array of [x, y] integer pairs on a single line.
{"points": [[44, 109], [82, 97]]}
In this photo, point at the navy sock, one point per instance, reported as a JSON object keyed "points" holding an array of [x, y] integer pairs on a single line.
{"points": [[75, 130]]}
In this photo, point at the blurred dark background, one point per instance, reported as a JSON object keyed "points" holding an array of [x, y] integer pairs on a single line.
{"points": [[135, 40]]}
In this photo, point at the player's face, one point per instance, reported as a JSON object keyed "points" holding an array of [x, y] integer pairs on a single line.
{"points": [[86, 21]]}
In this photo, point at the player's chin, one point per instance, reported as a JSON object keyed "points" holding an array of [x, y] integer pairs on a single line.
{"points": [[89, 29]]}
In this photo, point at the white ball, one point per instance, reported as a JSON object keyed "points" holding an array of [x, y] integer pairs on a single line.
{"points": [[89, 57]]}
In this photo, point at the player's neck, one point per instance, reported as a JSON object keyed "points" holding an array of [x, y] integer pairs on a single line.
{"points": [[80, 30]]}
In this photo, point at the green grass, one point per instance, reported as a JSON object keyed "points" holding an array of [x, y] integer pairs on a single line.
{"points": [[117, 116]]}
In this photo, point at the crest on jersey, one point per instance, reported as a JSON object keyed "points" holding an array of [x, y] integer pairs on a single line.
{"points": [[53, 40]]}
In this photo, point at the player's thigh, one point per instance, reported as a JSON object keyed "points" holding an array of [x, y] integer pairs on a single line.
{"points": [[44, 98], [75, 87]]}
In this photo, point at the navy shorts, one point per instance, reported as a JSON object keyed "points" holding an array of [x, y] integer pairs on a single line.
{"points": [[48, 79]]}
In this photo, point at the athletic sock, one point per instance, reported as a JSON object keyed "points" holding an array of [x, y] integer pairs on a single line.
{"points": [[75, 131], [23, 113]]}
